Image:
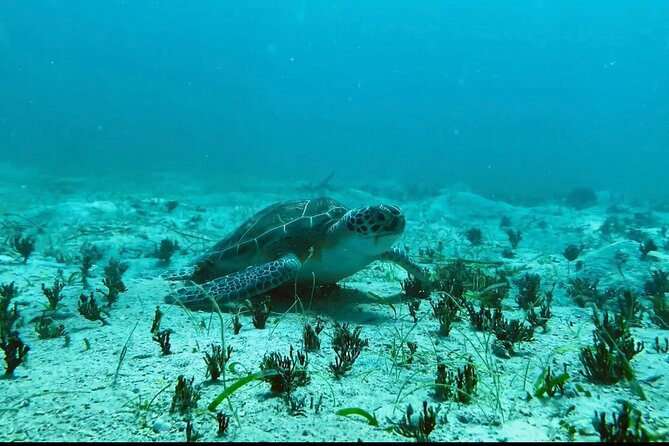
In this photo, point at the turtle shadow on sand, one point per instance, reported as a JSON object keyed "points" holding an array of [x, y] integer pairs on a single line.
{"points": [[332, 301], [342, 304]]}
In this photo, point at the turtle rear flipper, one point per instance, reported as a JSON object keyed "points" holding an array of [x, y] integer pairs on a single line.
{"points": [[247, 283]]}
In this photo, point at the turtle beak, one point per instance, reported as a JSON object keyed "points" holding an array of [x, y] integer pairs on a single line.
{"points": [[397, 225]]}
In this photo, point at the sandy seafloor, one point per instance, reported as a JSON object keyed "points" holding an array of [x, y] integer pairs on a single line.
{"points": [[66, 393]]}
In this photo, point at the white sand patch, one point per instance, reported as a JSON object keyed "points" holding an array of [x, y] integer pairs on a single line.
{"points": [[67, 392]]}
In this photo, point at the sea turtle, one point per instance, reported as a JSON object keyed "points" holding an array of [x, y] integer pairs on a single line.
{"points": [[311, 241]]}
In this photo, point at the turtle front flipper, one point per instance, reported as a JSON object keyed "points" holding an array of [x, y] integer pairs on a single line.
{"points": [[184, 273], [401, 258], [250, 282]]}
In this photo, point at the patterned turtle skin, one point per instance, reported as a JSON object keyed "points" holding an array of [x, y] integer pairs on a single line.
{"points": [[309, 241]]}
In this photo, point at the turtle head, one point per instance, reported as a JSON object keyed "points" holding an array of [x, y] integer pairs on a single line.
{"points": [[375, 228]]}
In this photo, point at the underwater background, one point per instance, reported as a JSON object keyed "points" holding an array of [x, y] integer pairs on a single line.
{"points": [[489, 263], [503, 96]]}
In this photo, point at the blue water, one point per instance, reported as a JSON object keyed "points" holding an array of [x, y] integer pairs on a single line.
{"points": [[520, 95]]}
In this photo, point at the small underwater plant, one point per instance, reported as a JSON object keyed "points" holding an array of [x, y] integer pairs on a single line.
{"points": [[413, 347], [514, 237], [47, 329], [347, 346], [656, 288], [602, 363], [508, 253], [626, 426], [317, 405], [165, 250], [658, 285], [261, 310], [122, 353], [475, 236], [661, 348], [452, 278], [24, 246], [660, 316], [462, 282], [644, 218], [497, 289], [428, 252], [446, 312], [310, 334], [191, 434], [636, 235], [92, 251], [584, 291], [647, 247], [629, 306], [611, 226], [607, 362], [162, 337], [415, 288], [504, 221], [465, 382], [541, 319], [185, 395], [348, 411], [171, 205], [157, 317], [53, 293], [483, 319], [15, 351], [615, 331], [291, 371], [7, 317], [529, 288], [581, 198], [421, 430], [296, 406], [216, 361], [413, 306], [85, 269], [113, 281], [223, 422], [236, 324], [236, 385], [459, 386], [510, 332], [549, 384], [620, 258], [89, 309], [444, 383], [571, 253]]}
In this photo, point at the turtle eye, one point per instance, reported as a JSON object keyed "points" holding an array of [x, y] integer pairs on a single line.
{"points": [[395, 210], [383, 217]]}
